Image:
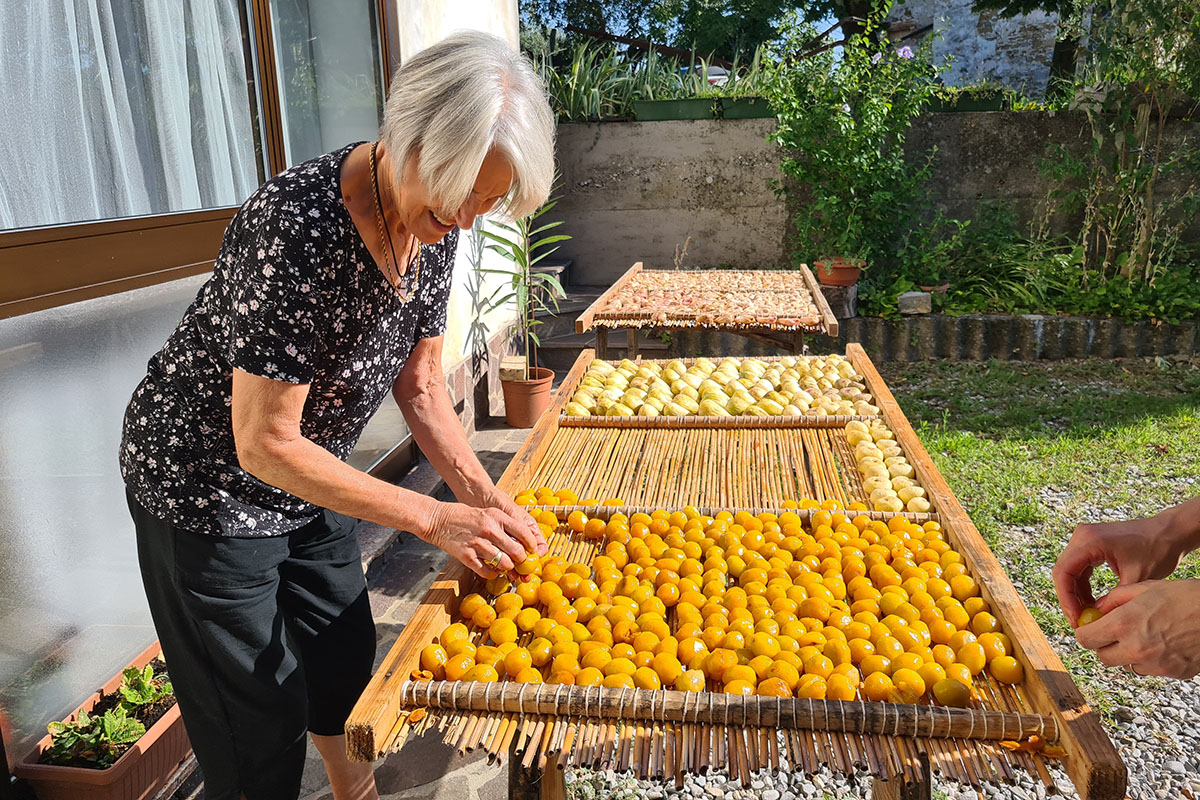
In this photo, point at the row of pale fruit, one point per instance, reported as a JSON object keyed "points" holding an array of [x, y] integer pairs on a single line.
{"points": [[888, 478], [792, 386], [843, 608]]}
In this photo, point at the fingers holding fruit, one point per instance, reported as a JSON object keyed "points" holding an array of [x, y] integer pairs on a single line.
{"points": [[523, 527], [483, 539], [1148, 627], [1137, 550]]}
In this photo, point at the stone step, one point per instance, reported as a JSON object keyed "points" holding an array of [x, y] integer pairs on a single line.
{"points": [[562, 322]]}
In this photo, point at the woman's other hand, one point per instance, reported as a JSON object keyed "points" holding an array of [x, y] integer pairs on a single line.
{"points": [[1137, 550], [475, 535], [1151, 627]]}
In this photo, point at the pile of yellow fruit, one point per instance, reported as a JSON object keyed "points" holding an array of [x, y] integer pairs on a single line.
{"points": [[792, 386], [842, 608], [887, 475]]}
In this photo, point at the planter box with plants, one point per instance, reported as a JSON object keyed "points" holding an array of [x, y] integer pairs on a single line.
{"points": [[662, 110], [746, 108], [838, 271], [123, 743], [525, 243], [970, 98]]}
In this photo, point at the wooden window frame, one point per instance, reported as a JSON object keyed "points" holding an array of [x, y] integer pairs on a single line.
{"points": [[54, 265]]}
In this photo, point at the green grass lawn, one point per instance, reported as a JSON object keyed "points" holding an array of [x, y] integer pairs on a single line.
{"points": [[1032, 449]]}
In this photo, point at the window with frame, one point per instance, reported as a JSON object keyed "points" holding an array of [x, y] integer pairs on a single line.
{"points": [[123, 108]]}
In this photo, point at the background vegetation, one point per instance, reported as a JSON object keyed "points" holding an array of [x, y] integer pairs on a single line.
{"points": [[844, 114]]}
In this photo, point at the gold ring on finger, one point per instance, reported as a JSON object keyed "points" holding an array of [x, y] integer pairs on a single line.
{"points": [[494, 561]]}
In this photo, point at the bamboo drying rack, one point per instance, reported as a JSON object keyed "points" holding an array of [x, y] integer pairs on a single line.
{"points": [[789, 337], [702, 421], [669, 734]]}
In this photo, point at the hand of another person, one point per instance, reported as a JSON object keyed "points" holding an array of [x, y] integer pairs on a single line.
{"points": [[1151, 627], [475, 535], [1137, 550]]}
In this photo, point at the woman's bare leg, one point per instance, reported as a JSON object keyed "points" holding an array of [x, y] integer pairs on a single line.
{"points": [[350, 780]]}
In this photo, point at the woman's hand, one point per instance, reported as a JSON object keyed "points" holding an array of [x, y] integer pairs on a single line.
{"points": [[475, 535], [498, 499], [1137, 550], [1151, 627]]}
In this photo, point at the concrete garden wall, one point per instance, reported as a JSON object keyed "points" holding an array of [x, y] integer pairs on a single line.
{"points": [[634, 190]]}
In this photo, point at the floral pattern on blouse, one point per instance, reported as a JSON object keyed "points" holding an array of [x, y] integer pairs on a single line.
{"points": [[295, 296]]}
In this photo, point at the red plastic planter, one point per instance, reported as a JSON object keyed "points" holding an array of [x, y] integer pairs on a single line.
{"points": [[139, 773]]}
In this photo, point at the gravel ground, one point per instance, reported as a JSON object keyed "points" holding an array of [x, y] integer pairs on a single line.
{"points": [[1154, 723]]}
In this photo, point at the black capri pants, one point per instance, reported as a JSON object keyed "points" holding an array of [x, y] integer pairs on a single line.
{"points": [[265, 639]]}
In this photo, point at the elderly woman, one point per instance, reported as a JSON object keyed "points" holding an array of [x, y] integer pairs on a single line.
{"points": [[331, 287]]}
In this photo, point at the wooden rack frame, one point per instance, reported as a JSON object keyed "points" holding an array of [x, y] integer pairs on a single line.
{"points": [[788, 338], [1092, 762]]}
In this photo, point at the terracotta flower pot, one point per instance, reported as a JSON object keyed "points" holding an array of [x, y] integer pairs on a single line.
{"points": [[524, 401], [839, 271], [139, 773]]}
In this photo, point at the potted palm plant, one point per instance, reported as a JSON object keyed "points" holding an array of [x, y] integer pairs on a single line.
{"points": [[525, 243], [123, 743]]}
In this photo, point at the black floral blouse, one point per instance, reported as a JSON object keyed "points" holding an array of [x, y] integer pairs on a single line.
{"points": [[295, 296]]}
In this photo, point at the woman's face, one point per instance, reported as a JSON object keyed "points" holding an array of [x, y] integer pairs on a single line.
{"points": [[422, 215]]}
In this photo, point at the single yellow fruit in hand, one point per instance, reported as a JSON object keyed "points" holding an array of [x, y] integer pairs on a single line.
{"points": [[529, 566], [1087, 616]]}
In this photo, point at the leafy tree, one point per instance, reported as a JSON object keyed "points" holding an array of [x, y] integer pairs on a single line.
{"points": [[729, 28], [724, 28]]}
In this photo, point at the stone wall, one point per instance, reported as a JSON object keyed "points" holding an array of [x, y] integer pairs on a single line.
{"points": [[982, 46], [632, 191]]}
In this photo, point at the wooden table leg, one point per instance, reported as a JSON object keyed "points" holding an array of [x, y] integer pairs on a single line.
{"points": [[899, 789], [633, 343], [554, 783], [522, 783], [601, 342]]}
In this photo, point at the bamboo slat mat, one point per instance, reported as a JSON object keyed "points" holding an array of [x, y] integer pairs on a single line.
{"points": [[753, 300], [670, 750], [724, 468]]}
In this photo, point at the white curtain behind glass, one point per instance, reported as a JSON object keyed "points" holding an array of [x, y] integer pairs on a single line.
{"points": [[116, 108]]}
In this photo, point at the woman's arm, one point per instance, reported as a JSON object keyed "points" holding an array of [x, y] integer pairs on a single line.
{"points": [[266, 430], [420, 391]]}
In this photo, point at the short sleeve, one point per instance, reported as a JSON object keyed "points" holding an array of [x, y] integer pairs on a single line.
{"points": [[435, 292], [276, 310]]}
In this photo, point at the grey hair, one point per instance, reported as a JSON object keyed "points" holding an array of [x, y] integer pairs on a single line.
{"points": [[460, 98]]}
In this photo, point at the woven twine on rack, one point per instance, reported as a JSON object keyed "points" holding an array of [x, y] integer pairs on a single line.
{"points": [[604, 512], [843, 716], [698, 421]]}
